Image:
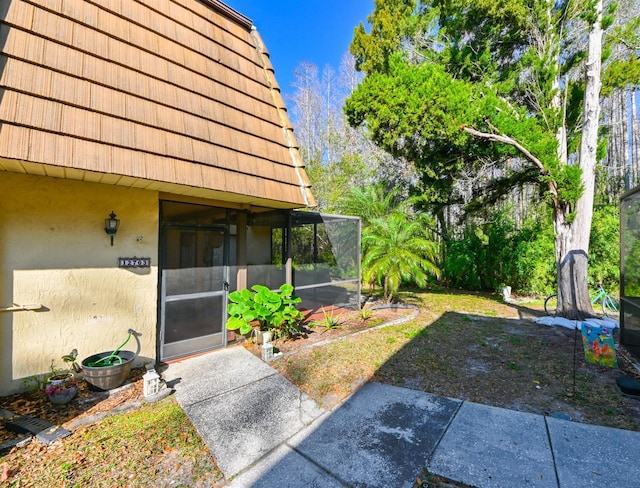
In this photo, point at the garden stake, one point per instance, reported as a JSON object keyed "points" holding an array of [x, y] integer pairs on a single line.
{"points": [[575, 342]]}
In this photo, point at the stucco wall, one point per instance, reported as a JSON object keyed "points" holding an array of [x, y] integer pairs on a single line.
{"points": [[54, 251]]}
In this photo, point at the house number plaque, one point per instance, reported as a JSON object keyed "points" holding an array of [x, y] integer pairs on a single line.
{"points": [[134, 262]]}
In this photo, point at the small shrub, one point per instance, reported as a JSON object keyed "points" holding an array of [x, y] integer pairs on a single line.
{"points": [[33, 383], [330, 321], [365, 313], [273, 311]]}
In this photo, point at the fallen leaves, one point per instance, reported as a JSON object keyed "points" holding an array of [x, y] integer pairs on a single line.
{"points": [[125, 449]]}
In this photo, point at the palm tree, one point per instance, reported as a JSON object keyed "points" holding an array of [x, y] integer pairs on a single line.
{"points": [[370, 202], [398, 247]]}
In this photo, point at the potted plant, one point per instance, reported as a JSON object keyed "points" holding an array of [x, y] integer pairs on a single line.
{"points": [[62, 385], [108, 370], [273, 311]]}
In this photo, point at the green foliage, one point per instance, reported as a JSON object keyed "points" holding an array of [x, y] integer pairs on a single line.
{"points": [[604, 248], [423, 113], [410, 106], [459, 86], [330, 320], [630, 225], [391, 22], [333, 179], [625, 69], [497, 253], [33, 383], [311, 249], [274, 311], [620, 74], [396, 248], [370, 202], [568, 181], [365, 313], [62, 373], [534, 270]]}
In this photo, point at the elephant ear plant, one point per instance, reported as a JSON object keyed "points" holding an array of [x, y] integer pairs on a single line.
{"points": [[273, 311]]}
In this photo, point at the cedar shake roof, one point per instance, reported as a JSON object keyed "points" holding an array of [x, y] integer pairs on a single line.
{"points": [[177, 96]]}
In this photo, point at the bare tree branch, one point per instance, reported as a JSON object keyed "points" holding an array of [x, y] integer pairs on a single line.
{"points": [[553, 187], [510, 141]]}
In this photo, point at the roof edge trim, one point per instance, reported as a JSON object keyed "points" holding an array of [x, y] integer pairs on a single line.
{"points": [[298, 164], [229, 12]]}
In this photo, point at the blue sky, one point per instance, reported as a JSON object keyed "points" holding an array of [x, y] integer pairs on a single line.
{"points": [[296, 31]]}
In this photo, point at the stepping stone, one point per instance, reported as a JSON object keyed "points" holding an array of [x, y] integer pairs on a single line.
{"points": [[52, 434], [6, 414], [6, 446], [45, 431]]}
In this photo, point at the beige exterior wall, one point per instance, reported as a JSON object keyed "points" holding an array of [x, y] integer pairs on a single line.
{"points": [[54, 251]]}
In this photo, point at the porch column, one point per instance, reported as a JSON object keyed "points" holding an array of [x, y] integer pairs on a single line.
{"points": [[289, 262], [241, 239]]}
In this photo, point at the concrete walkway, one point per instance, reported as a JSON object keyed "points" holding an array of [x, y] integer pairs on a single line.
{"points": [[264, 432]]}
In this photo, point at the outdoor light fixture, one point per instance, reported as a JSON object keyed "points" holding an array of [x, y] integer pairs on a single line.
{"points": [[151, 383], [267, 348], [111, 225]]}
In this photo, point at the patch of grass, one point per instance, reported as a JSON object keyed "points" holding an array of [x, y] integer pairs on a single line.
{"points": [[413, 332], [333, 369], [138, 448], [372, 322], [429, 480], [441, 301], [515, 340]]}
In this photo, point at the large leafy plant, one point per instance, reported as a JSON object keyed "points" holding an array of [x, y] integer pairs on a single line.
{"points": [[274, 311]]}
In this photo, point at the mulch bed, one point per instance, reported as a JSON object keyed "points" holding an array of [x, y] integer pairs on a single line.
{"points": [[88, 402], [350, 322]]}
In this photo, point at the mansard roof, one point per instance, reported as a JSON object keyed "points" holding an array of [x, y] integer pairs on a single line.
{"points": [[177, 96]]}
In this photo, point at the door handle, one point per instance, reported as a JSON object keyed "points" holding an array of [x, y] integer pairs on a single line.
{"points": [[225, 285]]}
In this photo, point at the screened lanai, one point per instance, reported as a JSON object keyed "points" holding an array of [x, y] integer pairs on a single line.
{"points": [[318, 253], [630, 271], [208, 252]]}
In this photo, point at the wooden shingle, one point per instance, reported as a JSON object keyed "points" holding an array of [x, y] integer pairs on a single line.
{"points": [[172, 94]]}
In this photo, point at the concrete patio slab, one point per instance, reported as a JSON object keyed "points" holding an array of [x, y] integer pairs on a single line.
{"points": [[285, 468], [591, 455], [243, 424], [495, 448], [264, 432], [210, 375], [381, 436]]}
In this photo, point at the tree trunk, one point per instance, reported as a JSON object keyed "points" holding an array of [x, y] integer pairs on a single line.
{"points": [[572, 235], [572, 267]]}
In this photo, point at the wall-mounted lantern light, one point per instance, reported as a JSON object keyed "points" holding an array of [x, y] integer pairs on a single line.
{"points": [[111, 225]]}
